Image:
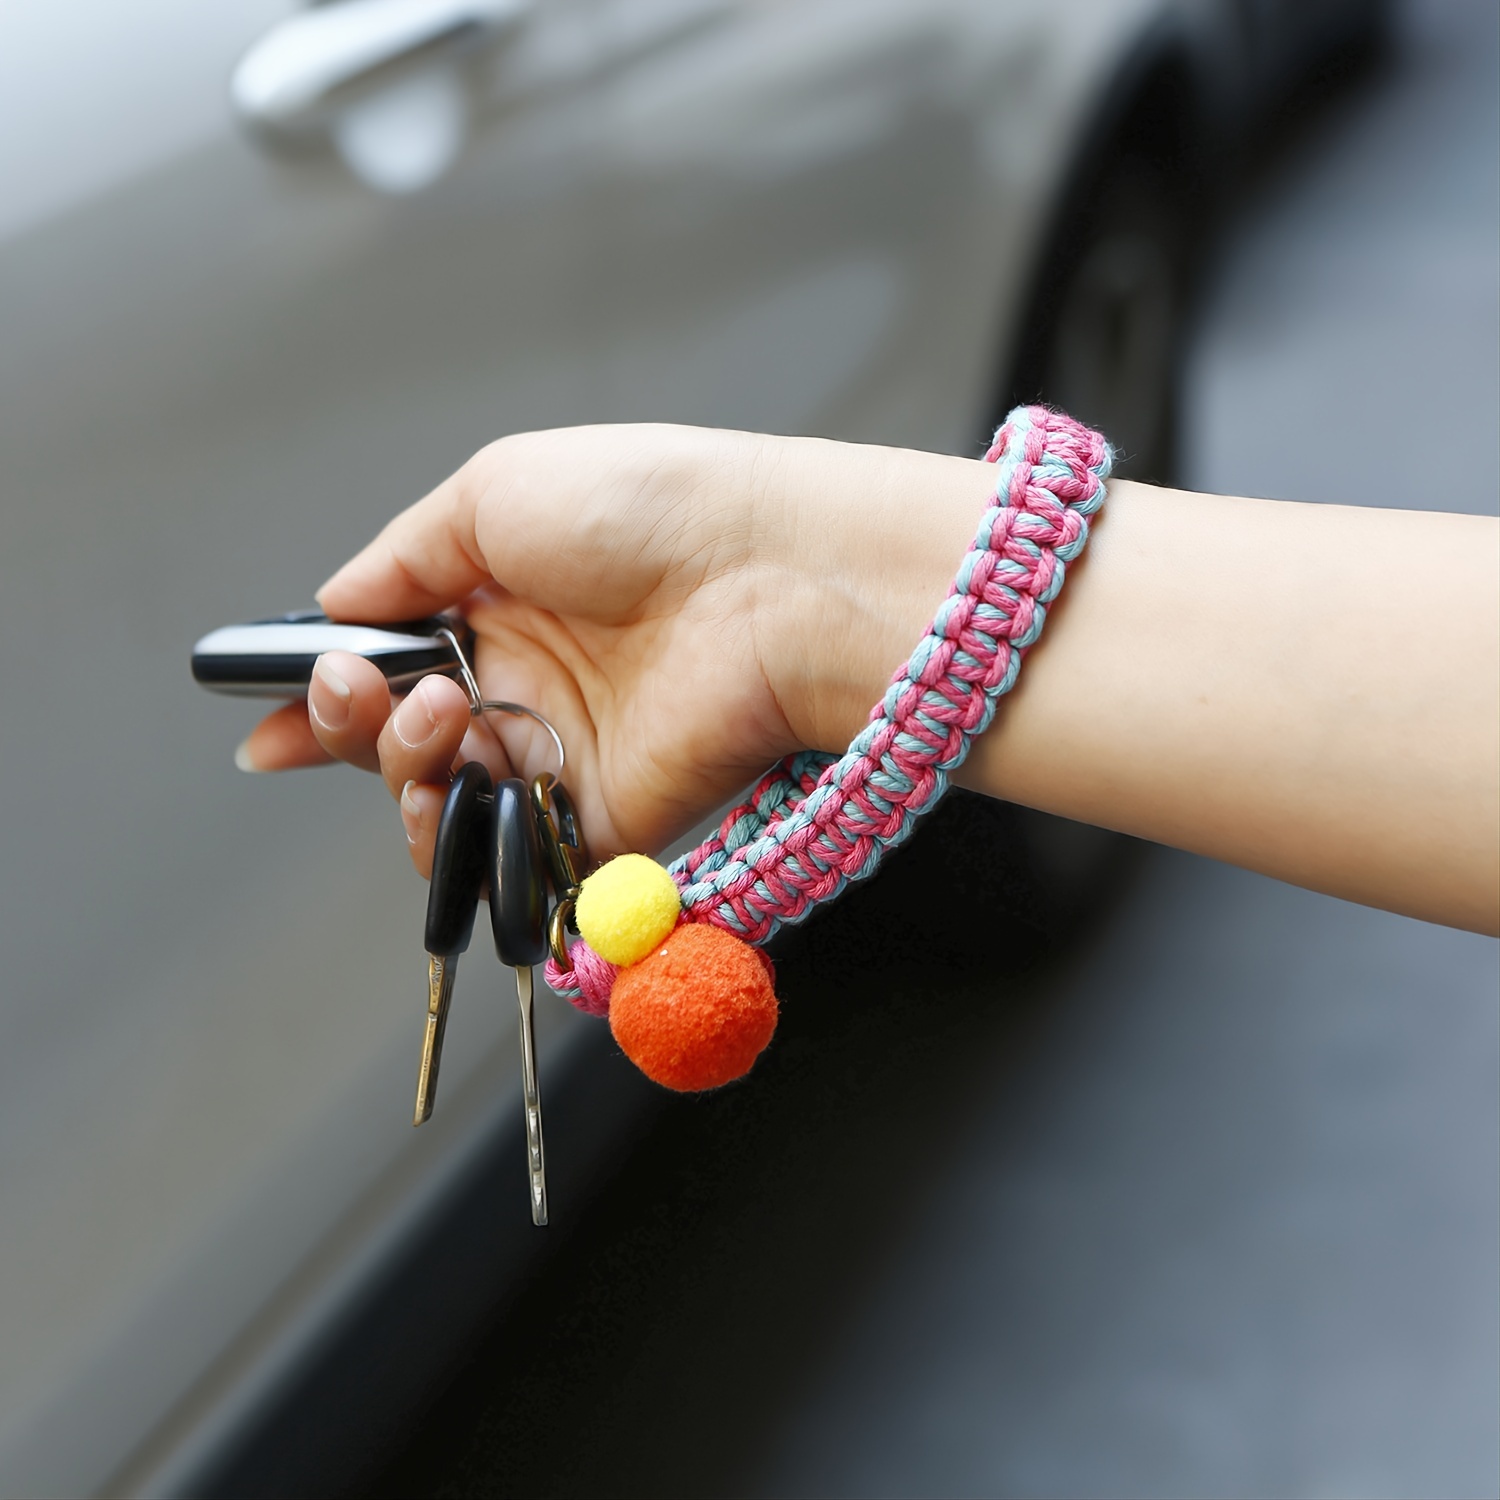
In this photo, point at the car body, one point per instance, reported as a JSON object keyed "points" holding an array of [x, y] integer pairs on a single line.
{"points": [[228, 352]]}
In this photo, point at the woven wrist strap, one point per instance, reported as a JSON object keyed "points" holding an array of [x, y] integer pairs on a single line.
{"points": [[817, 821]]}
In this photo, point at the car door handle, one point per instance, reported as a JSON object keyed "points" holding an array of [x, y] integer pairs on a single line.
{"points": [[291, 75]]}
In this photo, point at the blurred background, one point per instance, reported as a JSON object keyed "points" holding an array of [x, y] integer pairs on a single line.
{"points": [[1207, 1202]]}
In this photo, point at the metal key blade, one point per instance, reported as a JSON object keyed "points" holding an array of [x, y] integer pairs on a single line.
{"points": [[441, 972], [535, 1159]]}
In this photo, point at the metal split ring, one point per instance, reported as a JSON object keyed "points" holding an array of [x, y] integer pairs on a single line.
{"points": [[557, 929], [479, 704]]}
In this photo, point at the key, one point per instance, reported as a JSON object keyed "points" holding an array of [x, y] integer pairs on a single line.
{"points": [[518, 919], [274, 658], [460, 866]]}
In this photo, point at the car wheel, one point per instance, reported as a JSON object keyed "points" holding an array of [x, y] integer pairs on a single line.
{"points": [[1105, 345], [1111, 352]]}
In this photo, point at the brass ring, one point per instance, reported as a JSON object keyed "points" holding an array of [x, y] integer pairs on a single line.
{"points": [[557, 938]]}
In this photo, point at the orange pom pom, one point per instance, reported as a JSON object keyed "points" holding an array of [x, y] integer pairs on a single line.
{"points": [[697, 1011]]}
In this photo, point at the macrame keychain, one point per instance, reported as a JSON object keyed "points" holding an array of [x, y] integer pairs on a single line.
{"points": [[671, 956]]}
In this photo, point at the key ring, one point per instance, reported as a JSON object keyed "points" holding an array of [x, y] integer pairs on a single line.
{"points": [[567, 858], [557, 820], [479, 704]]}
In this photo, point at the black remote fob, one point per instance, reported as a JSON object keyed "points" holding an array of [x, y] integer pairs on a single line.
{"points": [[274, 658]]}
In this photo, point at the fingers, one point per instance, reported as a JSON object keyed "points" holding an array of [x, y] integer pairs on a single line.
{"points": [[348, 704], [418, 747], [423, 561], [422, 802], [282, 741], [421, 740], [348, 716], [421, 807]]}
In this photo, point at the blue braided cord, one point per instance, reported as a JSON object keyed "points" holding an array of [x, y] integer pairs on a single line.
{"points": [[781, 812]]}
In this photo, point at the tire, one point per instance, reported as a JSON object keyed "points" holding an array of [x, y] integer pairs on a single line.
{"points": [[1106, 339], [1105, 345]]}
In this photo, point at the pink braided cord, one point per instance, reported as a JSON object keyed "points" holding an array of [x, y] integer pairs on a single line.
{"points": [[816, 821]]}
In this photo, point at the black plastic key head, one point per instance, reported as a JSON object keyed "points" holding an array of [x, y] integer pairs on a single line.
{"points": [[518, 879], [460, 860]]}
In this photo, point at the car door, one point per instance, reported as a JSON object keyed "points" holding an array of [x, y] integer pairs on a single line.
{"points": [[799, 189], [225, 360], [830, 212]]}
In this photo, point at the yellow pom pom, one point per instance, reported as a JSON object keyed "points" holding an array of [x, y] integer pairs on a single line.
{"points": [[625, 908]]}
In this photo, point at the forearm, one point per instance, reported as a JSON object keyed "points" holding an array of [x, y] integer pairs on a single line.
{"points": [[1309, 691]]}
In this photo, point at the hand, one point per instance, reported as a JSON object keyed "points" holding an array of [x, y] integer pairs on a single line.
{"points": [[685, 605]]}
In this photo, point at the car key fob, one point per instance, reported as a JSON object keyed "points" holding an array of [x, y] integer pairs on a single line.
{"points": [[274, 658]]}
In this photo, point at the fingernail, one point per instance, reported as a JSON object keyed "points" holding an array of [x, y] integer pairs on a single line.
{"points": [[411, 814], [243, 757], [334, 714], [415, 723]]}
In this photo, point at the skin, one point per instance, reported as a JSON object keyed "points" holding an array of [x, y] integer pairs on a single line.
{"points": [[1309, 691]]}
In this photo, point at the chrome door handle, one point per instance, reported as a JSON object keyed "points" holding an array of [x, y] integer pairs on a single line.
{"points": [[292, 74]]}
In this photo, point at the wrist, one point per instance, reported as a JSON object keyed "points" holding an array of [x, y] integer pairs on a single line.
{"points": [[873, 539]]}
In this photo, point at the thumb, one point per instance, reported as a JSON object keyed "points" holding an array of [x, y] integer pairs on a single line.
{"points": [[424, 560]]}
